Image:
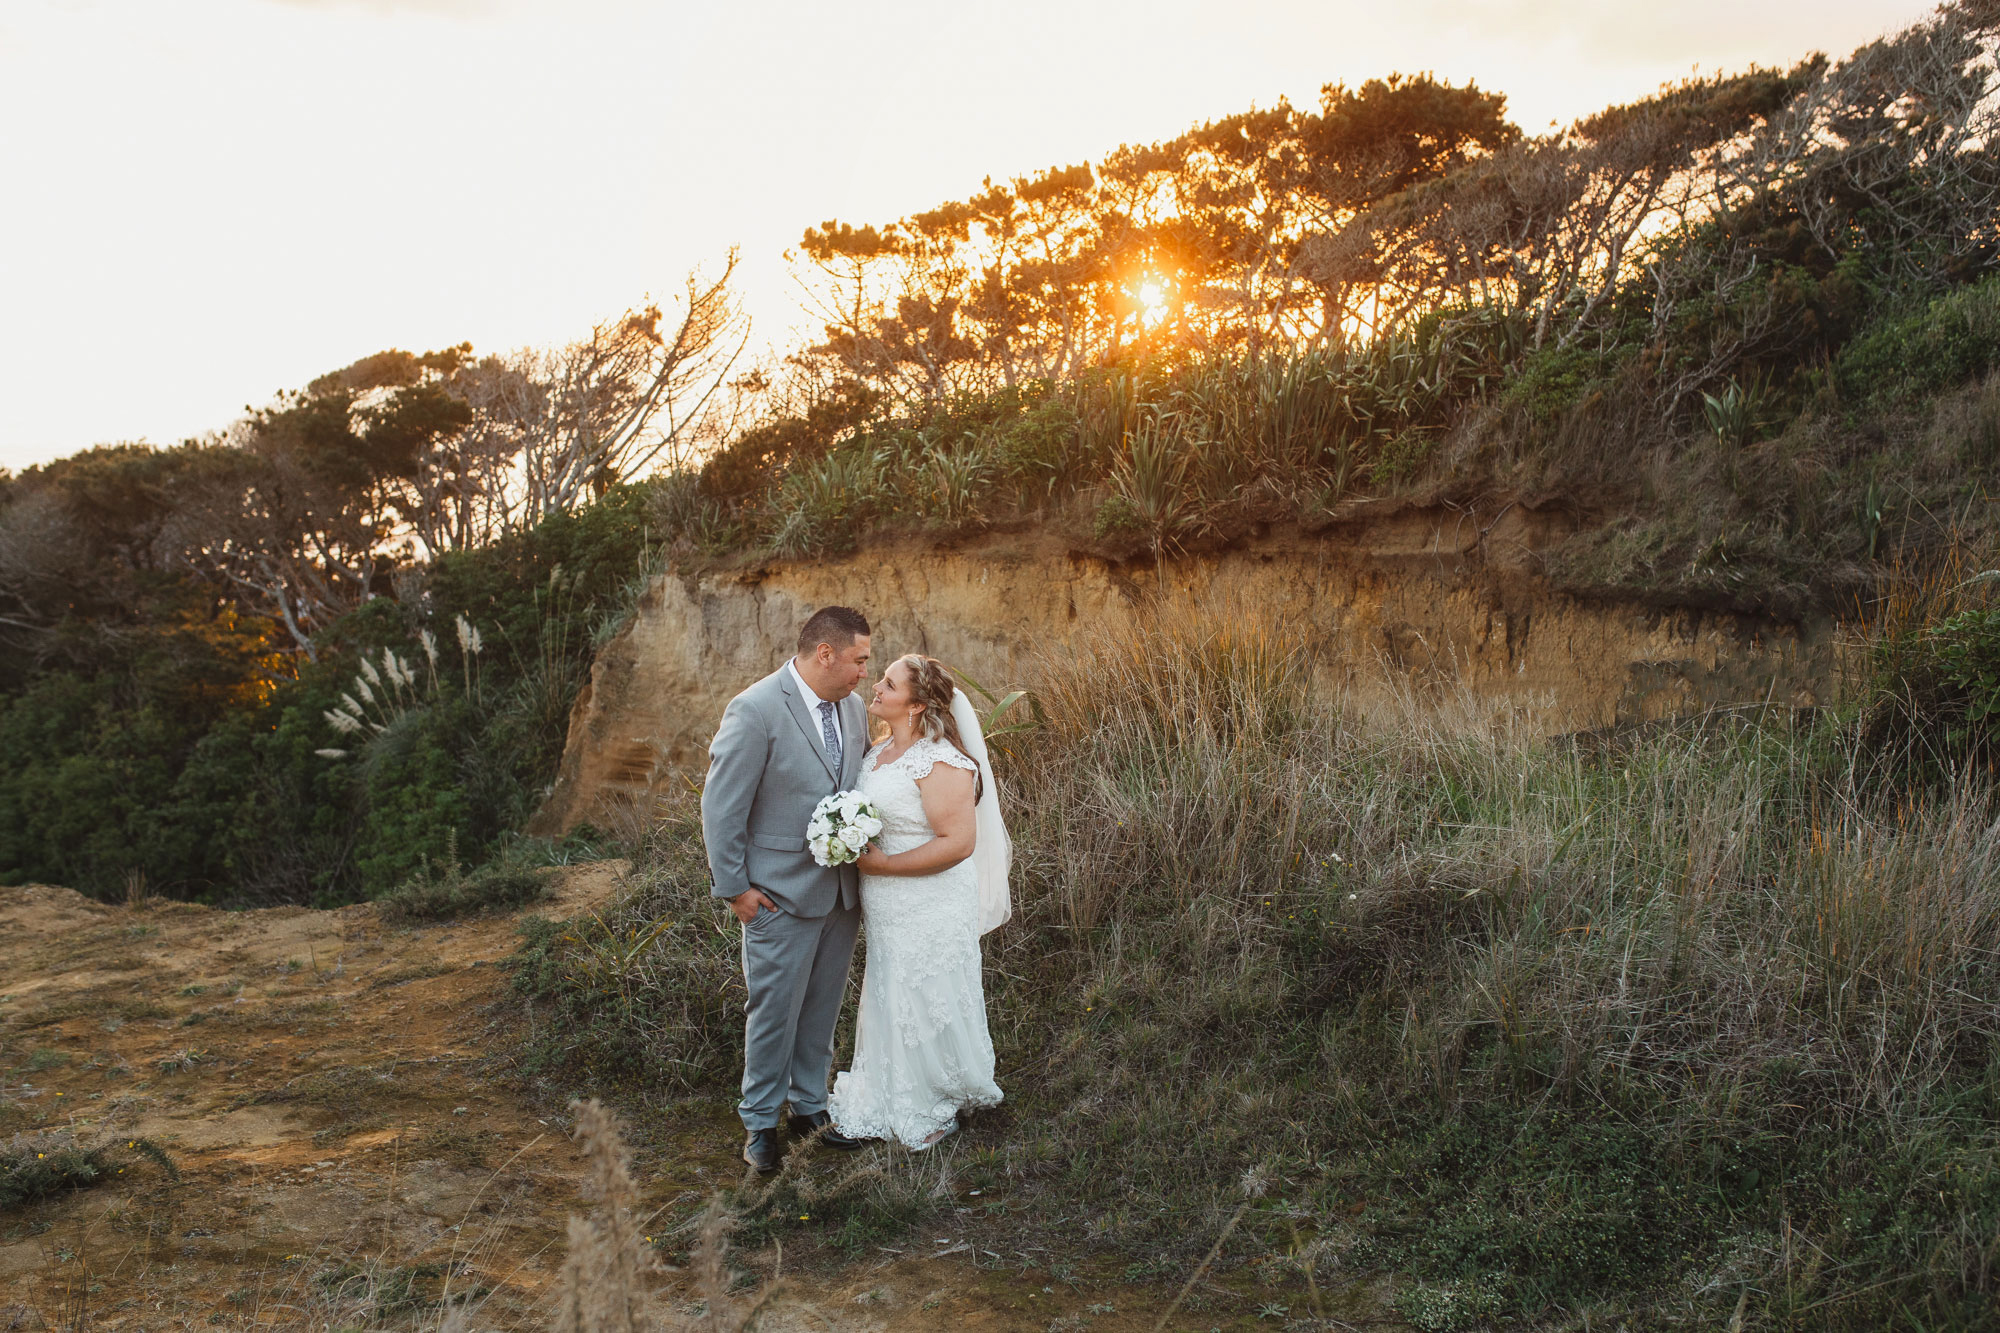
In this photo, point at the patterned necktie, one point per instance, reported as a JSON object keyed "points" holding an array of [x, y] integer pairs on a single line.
{"points": [[829, 734]]}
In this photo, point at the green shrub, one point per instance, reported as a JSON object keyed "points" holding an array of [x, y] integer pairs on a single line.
{"points": [[1401, 458], [34, 1167], [40, 1167], [1937, 692], [1954, 338], [1115, 517], [1968, 656], [444, 889], [1555, 380]]}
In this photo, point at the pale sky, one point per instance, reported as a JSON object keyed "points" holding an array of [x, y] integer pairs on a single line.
{"points": [[203, 202]]}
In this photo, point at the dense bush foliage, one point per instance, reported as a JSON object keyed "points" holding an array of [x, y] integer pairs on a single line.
{"points": [[1650, 1025], [37, 1167], [1952, 339], [198, 761]]}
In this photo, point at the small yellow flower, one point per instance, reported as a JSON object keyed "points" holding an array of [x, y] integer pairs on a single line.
{"points": [[805, 1217]]}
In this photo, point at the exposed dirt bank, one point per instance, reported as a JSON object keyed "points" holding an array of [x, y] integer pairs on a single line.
{"points": [[1392, 599]]}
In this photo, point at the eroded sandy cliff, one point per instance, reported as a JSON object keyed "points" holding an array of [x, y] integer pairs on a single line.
{"points": [[1423, 598]]}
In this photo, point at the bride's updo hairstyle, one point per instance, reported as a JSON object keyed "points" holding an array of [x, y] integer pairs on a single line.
{"points": [[931, 685]]}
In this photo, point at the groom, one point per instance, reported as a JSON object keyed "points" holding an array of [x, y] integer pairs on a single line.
{"points": [[794, 737]]}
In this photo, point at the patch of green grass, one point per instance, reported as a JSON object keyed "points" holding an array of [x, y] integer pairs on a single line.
{"points": [[345, 1089], [440, 892], [180, 1061], [403, 975]]}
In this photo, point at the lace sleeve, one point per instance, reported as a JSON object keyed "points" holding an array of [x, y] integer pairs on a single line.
{"points": [[924, 755]]}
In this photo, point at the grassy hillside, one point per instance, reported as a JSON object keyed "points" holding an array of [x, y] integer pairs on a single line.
{"points": [[1791, 485], [1670, 1027]]}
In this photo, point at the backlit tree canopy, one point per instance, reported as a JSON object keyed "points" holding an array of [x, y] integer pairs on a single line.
{"points": [[1406, 196], [1196, 240]]}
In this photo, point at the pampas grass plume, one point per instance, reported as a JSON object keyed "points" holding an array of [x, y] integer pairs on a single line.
{"points": [[602, 1289]]}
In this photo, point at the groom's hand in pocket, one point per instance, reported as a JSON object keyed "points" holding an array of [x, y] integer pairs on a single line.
{"points": [[748, 903]]}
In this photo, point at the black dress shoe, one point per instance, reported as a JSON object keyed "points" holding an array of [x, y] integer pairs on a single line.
{"points": [[761, 1150], [804, 1126]]}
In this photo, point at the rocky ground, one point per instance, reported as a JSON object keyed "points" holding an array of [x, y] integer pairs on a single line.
{"points": [[334, 1092]]}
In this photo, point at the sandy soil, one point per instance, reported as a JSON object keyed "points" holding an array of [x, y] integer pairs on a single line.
{"points": [[332, 1089]]}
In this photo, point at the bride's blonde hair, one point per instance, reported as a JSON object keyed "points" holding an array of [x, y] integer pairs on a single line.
{"points": [[931, 685]]}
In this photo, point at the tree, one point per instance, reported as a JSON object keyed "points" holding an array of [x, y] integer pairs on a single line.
{"points": [[1202, 241], [308, 507]]}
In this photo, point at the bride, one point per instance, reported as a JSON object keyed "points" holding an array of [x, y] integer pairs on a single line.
{"points": [[933, 882]]}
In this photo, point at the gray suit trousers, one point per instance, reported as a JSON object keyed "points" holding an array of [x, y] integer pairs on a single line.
{"points": [[796, 970]]}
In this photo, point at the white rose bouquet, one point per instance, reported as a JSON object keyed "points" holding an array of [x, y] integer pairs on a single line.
{"points": [[841, 827]]}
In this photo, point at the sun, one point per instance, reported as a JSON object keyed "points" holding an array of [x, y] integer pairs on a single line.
{"points": [[1152, 303]]}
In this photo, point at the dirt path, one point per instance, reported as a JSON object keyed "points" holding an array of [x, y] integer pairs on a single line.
{"points": [[322, 1082]]}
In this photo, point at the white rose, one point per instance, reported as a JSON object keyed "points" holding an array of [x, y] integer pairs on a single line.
{"points": [[854, 837], [819, 828], [851, 803], [868, 824]]}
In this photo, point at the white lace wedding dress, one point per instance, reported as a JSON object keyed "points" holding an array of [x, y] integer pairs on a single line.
{"points": [[921, 1048]]}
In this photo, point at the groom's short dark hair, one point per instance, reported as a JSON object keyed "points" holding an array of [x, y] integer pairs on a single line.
{"points": [[837, 626]]}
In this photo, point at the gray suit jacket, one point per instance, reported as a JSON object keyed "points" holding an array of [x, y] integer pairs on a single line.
{"points": [[767, 769]]}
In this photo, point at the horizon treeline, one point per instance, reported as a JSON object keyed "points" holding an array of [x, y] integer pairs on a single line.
{"points": [[1747, 319]]}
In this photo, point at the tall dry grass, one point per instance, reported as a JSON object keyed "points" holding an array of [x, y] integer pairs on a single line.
{"points": [[1677, 1025], [1256, 924]]}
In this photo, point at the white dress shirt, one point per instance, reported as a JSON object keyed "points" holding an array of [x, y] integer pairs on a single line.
{"points": [[813, 701]]}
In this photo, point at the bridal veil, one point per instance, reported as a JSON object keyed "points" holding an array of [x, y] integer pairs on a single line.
{"points": [[993, 852]]}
